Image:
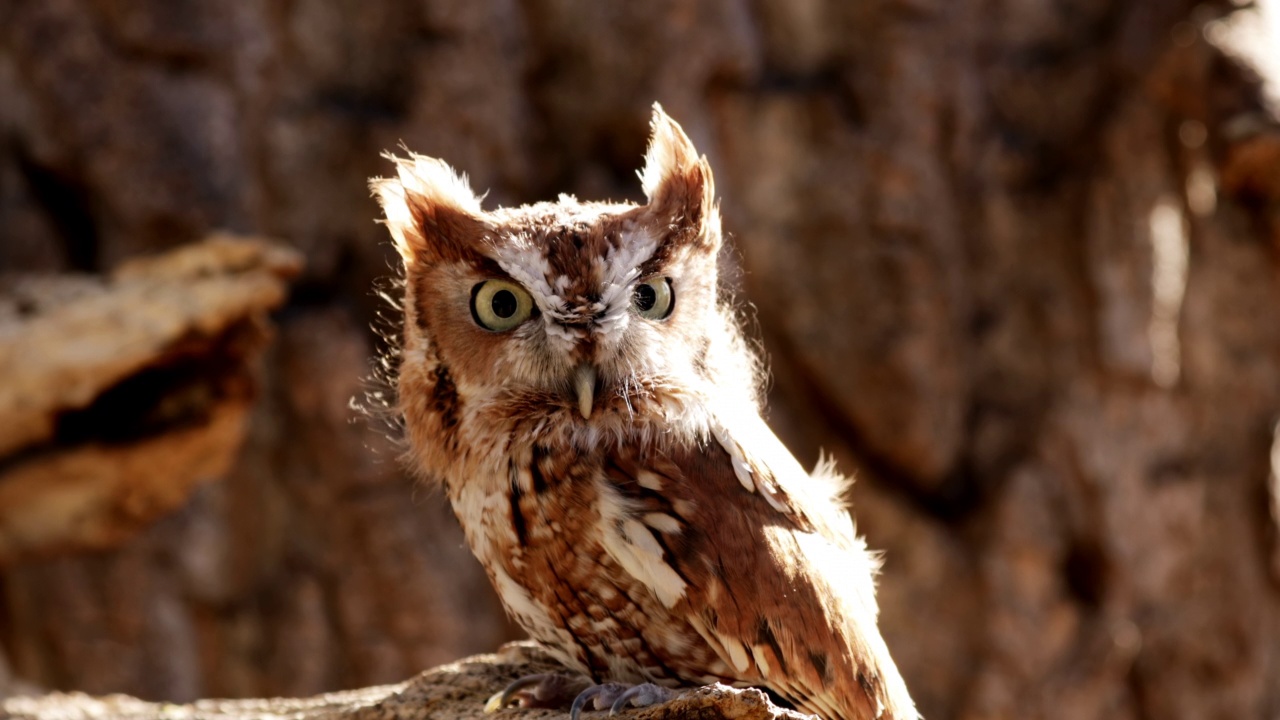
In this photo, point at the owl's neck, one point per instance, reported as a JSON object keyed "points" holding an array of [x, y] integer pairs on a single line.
{"points": [[475, 442]]}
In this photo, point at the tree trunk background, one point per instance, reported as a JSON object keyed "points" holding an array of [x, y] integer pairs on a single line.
{"points": [[1016, 263]]}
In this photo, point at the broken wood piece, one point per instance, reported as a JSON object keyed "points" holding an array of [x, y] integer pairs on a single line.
{"points": [[119, 396]]}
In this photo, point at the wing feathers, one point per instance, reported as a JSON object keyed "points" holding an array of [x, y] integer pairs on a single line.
{"points": [[772, 577]]}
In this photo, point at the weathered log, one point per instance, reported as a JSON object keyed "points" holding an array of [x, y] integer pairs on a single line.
{"points": [[123, 394], [457, 691]]}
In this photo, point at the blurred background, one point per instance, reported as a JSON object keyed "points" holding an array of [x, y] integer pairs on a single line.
{"points": [[1015, 263]]}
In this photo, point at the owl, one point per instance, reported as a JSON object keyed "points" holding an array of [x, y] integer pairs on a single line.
{"points": [[574, 377]]}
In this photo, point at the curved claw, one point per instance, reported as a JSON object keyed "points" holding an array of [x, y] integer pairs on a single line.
{"points": [[643, 695], [548, 690], [504, 698], [606, 694]]}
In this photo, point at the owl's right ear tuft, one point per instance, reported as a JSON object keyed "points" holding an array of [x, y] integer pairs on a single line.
{"points": [[677, 181], [430, 209]]}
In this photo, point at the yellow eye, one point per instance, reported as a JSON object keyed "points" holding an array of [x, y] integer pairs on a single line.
{"points": [[654, 298], [500, 305]]}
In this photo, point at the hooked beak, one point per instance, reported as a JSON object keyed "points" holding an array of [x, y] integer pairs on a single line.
{"points": [[584, 387]]}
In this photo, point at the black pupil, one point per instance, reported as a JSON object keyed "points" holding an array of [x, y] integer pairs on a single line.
{"points": [[646, 297], [504, 304]]}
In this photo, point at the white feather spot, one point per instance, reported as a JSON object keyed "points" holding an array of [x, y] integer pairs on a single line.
{"points": [[662, 522], [649, 480], [761, 659], [701, 628], [638, 552], [737, 653], [737, 457], [638, 535]]}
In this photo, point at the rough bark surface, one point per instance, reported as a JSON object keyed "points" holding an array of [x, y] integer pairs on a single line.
{"points": [[457, 691], [1017, 263]]}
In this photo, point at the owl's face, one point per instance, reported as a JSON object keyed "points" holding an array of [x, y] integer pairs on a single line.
{"points": [[589, 313]]}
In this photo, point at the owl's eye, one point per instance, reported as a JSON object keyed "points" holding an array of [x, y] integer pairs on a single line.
{"points": [[654, 298], [500, 305]]}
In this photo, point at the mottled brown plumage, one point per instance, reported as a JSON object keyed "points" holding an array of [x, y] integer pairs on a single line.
{"points": [[573, 378]]}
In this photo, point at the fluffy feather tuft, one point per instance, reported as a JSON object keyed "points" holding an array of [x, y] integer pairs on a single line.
{"points": [[423, 190], [678, 181], [670, 152]]}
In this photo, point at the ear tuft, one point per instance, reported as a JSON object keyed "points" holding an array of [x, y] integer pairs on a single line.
{"points": [[429, 207], [676, 179], [670, 152]]}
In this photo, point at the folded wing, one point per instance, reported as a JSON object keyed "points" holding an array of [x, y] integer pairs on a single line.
{"points": [[762, 561]]}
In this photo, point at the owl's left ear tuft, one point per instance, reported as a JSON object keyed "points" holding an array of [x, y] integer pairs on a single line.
{"points": [[677, 181], [430, 209]]}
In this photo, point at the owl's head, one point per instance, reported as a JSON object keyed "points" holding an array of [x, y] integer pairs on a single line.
{"points": [[564, 314]]}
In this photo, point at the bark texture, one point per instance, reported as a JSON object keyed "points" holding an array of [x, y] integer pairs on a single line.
{"points": [[1017, 263], [457, 691]]}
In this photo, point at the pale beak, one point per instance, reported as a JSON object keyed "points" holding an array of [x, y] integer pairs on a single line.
{"points": [[584, 386]]}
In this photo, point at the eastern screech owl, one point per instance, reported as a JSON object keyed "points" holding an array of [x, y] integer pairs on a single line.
{"points": [[572, 375]]}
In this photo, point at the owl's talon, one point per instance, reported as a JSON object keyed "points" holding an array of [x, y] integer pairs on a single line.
{"points": [[641, 696], [509, 693], [546, 690], [600, 697]]}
